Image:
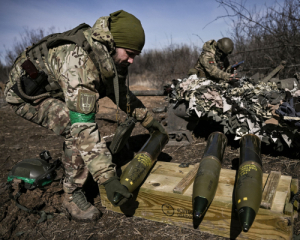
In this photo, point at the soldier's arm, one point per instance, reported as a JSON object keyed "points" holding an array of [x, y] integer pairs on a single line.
{"points": [[137, 108], [78, 77], [210, 65], [227, 65]]}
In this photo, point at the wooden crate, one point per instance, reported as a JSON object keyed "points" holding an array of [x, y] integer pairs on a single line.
{"points": [[166, 196]]}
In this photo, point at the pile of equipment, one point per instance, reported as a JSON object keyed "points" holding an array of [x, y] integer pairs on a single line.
{"points": [[270, 110]]}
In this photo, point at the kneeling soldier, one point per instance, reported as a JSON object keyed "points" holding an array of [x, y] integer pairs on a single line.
{"points": [[57, 82]]}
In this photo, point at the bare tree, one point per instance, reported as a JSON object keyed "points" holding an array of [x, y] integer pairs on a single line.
{"points": [[162, 65], [265, 37], [3, 72], [26, 39]]}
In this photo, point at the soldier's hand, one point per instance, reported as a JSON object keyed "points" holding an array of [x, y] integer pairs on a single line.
{"points": [[232, 70], [112, 186], [151, 124], [234, 77], [155, 125]]}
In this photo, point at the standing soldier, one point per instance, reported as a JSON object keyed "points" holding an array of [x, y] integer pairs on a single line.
{"points": [[57, 82], [213, 62]]}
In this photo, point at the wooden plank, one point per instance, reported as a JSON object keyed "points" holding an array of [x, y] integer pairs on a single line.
{"points": [[171, 169], [283, 192], [186, 180], [276, 70], [176, 209], [224, 192], [279, 202], [227, 176], [156, 201], [161, 183], [288, 209], [285, 184], [270, 189], [165, 184]]}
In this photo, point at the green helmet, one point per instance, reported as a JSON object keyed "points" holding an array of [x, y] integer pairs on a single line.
{"points": [[34, 172], [225, 45], [30, 174]]}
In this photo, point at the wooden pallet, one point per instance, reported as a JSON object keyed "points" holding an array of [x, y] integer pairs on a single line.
{"points": [[166, 196]]}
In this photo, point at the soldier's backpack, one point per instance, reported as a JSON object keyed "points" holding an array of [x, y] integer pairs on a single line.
{"points": [[39, 51]]}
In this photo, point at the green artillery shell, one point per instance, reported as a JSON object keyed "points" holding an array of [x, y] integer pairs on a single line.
{"points": [[248, 189], [135, 173], [207, 178]]}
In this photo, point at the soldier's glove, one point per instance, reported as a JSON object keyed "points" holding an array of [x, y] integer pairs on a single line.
{"points": [[152, 124], [113, 185]]}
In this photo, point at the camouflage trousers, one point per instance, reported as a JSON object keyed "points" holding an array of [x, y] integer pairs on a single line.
{"points": [[53, 114]]}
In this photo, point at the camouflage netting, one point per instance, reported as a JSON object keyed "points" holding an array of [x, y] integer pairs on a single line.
{"points": [[269, 110]]}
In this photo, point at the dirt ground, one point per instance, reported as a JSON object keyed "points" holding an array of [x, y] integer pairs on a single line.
{"points": [[21, 139]]}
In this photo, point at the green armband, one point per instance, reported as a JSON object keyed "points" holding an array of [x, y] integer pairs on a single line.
{"points": [[77, 117]]}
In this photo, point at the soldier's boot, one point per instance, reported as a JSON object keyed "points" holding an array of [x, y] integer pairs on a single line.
{"points": [[79, 208]]}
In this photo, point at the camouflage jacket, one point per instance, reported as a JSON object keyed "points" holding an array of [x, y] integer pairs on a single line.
{"points": [[77, 75], [209, 66], [72, 68]]}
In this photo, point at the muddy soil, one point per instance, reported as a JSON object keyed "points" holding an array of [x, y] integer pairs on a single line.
{"points": [[21, 139]]}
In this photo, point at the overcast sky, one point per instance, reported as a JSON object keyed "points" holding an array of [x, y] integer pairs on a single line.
{"points": [[176, 21]]}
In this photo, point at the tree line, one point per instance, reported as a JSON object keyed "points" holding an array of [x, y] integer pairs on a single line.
{"points": [[266, 37], [263, 38]]}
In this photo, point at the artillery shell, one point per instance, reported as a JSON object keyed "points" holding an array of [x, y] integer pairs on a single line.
{"points": [[248, 188], [207, 178], [135, 173]]}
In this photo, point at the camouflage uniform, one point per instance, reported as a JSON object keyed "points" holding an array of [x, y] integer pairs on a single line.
{"points": [[78, 78], [209, 65]]}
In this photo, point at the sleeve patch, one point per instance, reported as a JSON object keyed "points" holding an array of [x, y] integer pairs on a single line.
{"points": [[86, 101]]}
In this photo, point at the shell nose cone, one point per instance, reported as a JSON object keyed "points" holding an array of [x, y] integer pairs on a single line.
{"points": [[197, 215], [200, 206], [246, 216], [245, 227]]}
